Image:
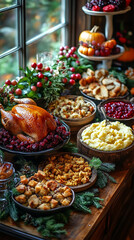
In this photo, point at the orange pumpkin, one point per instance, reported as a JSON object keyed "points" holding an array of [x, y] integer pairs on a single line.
{"points": [[127, 56], [89, 36], [83, 50], [86, 51]]}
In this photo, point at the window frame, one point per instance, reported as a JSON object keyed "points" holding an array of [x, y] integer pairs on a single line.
{"points": [[21, 43]]}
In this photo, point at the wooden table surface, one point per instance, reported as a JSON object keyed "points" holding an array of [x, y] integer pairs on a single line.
{"points": [[95, 226]]}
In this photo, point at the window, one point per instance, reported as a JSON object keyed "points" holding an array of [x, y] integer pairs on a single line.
{"points": [[27, 28]]}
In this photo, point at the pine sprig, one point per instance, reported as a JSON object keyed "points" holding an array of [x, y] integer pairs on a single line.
{"points": [[84, 200], [49, 226], [70, 147], [120, 75], [103, 170]]}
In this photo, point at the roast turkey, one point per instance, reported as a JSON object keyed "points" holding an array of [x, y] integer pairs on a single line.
{"points": [[28, 122]]}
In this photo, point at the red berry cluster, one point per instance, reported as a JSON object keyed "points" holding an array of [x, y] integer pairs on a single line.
{"points": [[13, 83], [120, 38], [119, 110], [41, 76], [69, 73], [53, 139]]}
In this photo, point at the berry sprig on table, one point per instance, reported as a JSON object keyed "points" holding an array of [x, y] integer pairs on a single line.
{"points": [[44, 81]]}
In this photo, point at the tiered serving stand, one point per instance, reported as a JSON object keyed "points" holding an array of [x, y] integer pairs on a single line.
{"points": [[106, 61]]}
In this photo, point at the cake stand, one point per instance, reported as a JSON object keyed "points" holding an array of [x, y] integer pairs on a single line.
{"points": [[109, 19], [106, 61]]}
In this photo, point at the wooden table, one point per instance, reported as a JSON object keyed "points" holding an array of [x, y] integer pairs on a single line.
{"points": [[110, 222]]}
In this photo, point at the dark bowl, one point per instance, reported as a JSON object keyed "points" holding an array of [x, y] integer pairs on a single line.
{"points": [[38, 212], [46, 151], [99, 101], [105, 156], [128, 122], [81, 187]]}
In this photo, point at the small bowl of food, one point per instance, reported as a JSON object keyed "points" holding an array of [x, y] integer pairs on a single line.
{"points": [[110, 141], [75, 111], [6, 174], [39, 197], [6, 171], [118, 110]]}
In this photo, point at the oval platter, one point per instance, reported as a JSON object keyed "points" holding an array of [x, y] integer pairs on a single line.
{"points": [[38, 212], [45, 151]]}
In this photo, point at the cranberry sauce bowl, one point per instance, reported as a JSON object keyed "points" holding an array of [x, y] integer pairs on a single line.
{"points": [[121, 110]]}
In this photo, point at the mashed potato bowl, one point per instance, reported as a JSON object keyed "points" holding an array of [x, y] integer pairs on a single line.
{"points": [[110, 142]]}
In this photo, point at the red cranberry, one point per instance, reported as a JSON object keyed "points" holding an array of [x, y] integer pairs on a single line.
{"points": [[39, 84], [72, 82], [34, 65], [8, 82], [73, 49], [64, 80], [78, 76], [39, 65], [18, 91], [33, 88], [14, 82], [40, 75], [72, 69], [47, 69], [73, 76]]}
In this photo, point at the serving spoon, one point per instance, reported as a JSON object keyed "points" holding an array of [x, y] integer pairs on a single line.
{"points": [[105, 117]]}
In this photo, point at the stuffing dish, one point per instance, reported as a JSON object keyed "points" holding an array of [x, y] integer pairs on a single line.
{"points": [[37, 193], [71, 108], [101, 85], [68, 169]]}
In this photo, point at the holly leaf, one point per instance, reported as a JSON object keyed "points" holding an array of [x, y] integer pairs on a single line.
{"points": [[95, 162]]}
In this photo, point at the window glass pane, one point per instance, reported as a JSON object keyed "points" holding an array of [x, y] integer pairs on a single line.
{"points": [[41, 15], [7, 30], [51, 43], [8, 68], [6, 3]]}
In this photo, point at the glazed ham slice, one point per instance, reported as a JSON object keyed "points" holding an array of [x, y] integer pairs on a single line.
{"points": [[28, 122]]}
